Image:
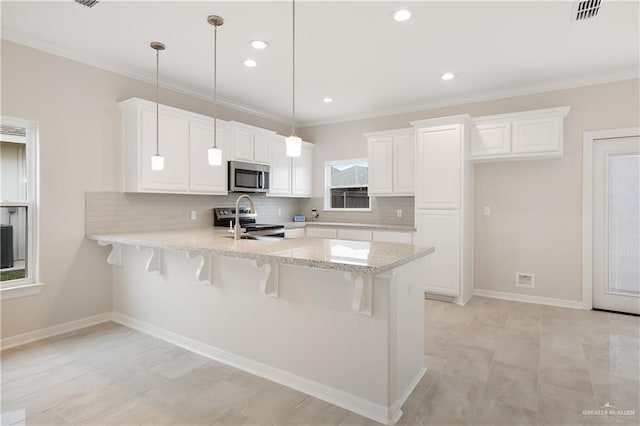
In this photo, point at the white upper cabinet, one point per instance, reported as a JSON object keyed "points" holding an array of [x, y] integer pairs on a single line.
{"points": [[439, 152], [302, 172], [184, 140], [249, 143], [204, 178], [280, 173], [290, 176], [525, 135], [391, 162]]}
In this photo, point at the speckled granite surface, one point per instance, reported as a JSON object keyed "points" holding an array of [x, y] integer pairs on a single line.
{"points": [[371, 258]]}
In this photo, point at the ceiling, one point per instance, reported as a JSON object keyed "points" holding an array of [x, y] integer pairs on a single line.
{"points": [[352, 51]]}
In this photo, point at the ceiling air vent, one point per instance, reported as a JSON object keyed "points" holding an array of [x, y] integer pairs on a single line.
{"points": [[585, 9], [91, 3]]}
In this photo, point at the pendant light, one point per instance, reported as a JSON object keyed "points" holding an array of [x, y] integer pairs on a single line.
{"points": [[293, 143], [157, 161], [215, 153]]}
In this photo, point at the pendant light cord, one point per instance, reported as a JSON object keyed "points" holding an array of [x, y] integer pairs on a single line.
{"points": [[293, 91], [157, 100], [215, 84]]}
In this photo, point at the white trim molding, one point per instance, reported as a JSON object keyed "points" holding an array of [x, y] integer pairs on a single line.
{"points": [[343, 399], [526, 298], [588, 139], [43, 333], [20, 290]]}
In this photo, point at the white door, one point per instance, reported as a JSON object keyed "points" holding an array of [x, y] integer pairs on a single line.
{"points": [[616, 224]]}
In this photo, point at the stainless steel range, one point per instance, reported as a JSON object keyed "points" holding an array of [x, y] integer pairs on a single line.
{"points": [[225, 217]]}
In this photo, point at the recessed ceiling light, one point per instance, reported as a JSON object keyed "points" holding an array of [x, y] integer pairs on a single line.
{"points": [[250, 63], [327, 100], [259, 44], [448, 76], [402, 15]]}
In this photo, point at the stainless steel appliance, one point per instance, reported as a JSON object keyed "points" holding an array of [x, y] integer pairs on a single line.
{"points": [[225, 216], [248, 177]]}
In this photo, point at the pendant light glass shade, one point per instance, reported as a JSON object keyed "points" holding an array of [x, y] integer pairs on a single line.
{"points": [[157, 161], [294, 146], [293, 143], [215, 156], [214, 153]]}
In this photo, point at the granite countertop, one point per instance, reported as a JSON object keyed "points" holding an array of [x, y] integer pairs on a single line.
{"points": [[363, 226], [371, 258]]}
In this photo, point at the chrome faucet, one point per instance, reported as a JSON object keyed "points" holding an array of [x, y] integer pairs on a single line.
{"points": [[236, 228]]}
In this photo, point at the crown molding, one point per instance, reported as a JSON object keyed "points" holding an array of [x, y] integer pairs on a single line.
{"points": [[628, 74], [45, 46], [39, 44]]}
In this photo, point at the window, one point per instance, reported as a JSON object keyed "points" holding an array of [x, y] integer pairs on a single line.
{"points": [[18, 232], [346, 183]]}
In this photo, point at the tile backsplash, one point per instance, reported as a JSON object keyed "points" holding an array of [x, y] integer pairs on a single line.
{"points": [[127, 212], [383, 211]]}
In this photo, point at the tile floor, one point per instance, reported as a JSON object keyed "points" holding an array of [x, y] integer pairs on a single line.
{"points": [[490, 362]]}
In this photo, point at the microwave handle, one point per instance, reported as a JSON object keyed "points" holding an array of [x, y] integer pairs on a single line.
{"points": [[260, 179]]}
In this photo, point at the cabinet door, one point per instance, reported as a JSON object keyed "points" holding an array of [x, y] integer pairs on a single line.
{"points": [[174, 147], [203, 177], [381, 166], [294, 233], [280, 172], [441, 229], [393, 237], [320, 232], [439, 153], [261, 147], [491, 140], [242, 145], [302, 172], [537, 135], [354, 234], [403, 164]]}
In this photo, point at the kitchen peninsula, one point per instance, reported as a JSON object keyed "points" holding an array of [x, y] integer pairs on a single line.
{"points": [[340, 320]]}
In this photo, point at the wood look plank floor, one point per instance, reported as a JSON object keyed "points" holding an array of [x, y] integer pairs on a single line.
{"points": [[490, 362]]}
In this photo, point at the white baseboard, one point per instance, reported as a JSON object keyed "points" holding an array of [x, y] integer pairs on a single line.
{"points": [[396, 408], [43, 333], [516, 297], [351, 402]]}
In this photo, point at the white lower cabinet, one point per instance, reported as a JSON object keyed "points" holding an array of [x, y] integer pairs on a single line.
{"points": [[354, 234], [321, 232], [441, 229], [393, 237], [294, 233]]}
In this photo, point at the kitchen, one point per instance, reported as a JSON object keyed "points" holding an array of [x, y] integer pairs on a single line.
{"points": [[533, 204]]}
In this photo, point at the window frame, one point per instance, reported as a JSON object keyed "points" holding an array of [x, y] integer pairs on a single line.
{"points": [[29, 285], [327, 187]]}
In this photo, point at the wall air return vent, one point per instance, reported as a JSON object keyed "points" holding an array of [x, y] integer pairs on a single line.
{"points": [[586, 9], [88, 3]]}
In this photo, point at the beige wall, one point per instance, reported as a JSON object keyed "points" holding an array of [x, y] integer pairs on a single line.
{"points": [[75, 106], [535, 225]]}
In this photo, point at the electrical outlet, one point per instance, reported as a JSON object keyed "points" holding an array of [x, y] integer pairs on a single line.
{"points": [[399, 213], [487, 210], [279, 212], [194, 215]]}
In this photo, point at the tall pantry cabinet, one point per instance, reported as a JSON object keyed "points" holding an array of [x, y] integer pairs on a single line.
{"points": [[444, 205]]}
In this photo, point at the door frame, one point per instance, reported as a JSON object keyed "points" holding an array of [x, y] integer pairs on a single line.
{"points": [[588, 140]]}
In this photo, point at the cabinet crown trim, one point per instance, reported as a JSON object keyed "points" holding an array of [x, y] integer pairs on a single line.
{"points": [[135, 103], [394, 132], [561, 112], [442, 121]]}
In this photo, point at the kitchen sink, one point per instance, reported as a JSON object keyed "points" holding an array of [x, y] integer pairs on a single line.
{"points": [[256, 237]]}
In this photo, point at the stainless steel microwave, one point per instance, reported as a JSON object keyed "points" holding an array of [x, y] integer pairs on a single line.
{"points": [[248, 177]]}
